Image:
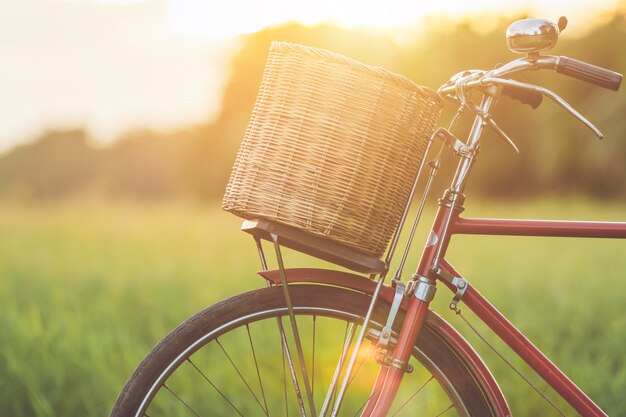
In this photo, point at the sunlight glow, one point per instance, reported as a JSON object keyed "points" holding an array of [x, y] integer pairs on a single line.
{"points": [[120, 2], [208, 20], [163, 63]]}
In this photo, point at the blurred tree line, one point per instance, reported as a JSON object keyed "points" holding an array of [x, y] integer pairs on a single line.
{"points": [[558, 154]]}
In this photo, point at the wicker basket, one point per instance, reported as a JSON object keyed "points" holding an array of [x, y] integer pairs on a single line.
{"points": [[332, 148]]}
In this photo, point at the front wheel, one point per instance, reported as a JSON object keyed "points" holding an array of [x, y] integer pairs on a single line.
{"points": [[233, 359]]}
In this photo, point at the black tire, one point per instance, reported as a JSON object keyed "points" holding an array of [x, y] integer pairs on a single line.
{"points": [[170, 363]]}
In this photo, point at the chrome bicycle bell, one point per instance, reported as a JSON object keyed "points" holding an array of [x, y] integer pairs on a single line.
{"points": [[531, 36]]}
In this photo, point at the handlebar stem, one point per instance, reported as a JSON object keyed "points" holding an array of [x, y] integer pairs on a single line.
{"points": [[473, 142], [532, 62], [455, 193]]}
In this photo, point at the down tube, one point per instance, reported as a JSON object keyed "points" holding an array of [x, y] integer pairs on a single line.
{"points": [[526, 350]]}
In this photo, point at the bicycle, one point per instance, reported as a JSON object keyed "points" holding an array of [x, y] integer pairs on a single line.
{"points": [[272, 333]]}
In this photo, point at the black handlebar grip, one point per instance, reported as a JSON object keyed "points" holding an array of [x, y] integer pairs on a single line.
{"points": [[589, 73], [532, 98]]}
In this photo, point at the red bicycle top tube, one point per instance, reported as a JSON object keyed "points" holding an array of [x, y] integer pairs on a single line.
{"points": [[555, 228]]}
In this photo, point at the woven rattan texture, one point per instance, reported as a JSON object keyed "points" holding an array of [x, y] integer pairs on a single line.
{"points": [[333, 147]]}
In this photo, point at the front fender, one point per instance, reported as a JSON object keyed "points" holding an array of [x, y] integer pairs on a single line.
{"points": [[365, 285]]}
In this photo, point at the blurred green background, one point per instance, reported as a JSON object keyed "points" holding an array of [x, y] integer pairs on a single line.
{"points": [[106, 249], [558, 154], [88, 289]]}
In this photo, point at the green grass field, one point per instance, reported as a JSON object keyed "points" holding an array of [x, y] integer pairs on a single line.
{"points": [[87, 289]]}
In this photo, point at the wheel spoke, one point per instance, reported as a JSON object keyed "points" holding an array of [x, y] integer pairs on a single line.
{"points": [[292, 369], [450, 407], [181, 400], [331, 394], [414, 395], [214, 386], [347, 339], [356, 371], [285, 380], [373, 394], [256, 365], [240, 375], [313, 359]]}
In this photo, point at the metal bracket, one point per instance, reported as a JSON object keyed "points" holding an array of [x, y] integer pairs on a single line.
{"points": [[296, 335], [388, 360], [460, 149], [458, 282], [374, 335], [423, 288], [385, 334]]}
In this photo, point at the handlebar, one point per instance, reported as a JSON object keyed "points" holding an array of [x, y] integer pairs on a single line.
{"points": [[459, 85], [589, 73], [561, 64]]}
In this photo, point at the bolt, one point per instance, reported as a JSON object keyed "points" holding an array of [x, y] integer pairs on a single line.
{"points": [[462, 284]]}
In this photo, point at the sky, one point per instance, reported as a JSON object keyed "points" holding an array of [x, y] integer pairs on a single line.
{"points": [[114, 65]]}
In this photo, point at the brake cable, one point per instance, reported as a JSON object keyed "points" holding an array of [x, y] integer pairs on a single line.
{"points": [[457, 310], [466, 102]]}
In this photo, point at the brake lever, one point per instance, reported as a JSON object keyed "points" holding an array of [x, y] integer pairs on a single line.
{"points": [[555, 97], [487, 119], [503, 135]]}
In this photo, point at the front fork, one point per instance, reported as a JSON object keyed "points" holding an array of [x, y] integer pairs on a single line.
{"points": [[420, 290], [390, 375]]}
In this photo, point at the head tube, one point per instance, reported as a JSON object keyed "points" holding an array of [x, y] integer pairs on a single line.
{"points": [[473, 143]]}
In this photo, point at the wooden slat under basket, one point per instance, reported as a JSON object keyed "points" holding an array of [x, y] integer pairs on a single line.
{"points": [[332, 148]]}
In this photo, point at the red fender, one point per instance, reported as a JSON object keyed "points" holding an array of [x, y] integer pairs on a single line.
{"points": [[367, 286]]}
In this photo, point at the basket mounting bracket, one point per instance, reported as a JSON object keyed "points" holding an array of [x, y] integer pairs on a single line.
{"points": [[459, 148]]}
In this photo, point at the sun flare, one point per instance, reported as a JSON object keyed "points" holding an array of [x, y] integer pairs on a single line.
{"points": [[205, 19]]}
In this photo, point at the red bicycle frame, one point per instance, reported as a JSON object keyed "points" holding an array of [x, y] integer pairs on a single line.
{"points": [[448, 218], [433, 265]]}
